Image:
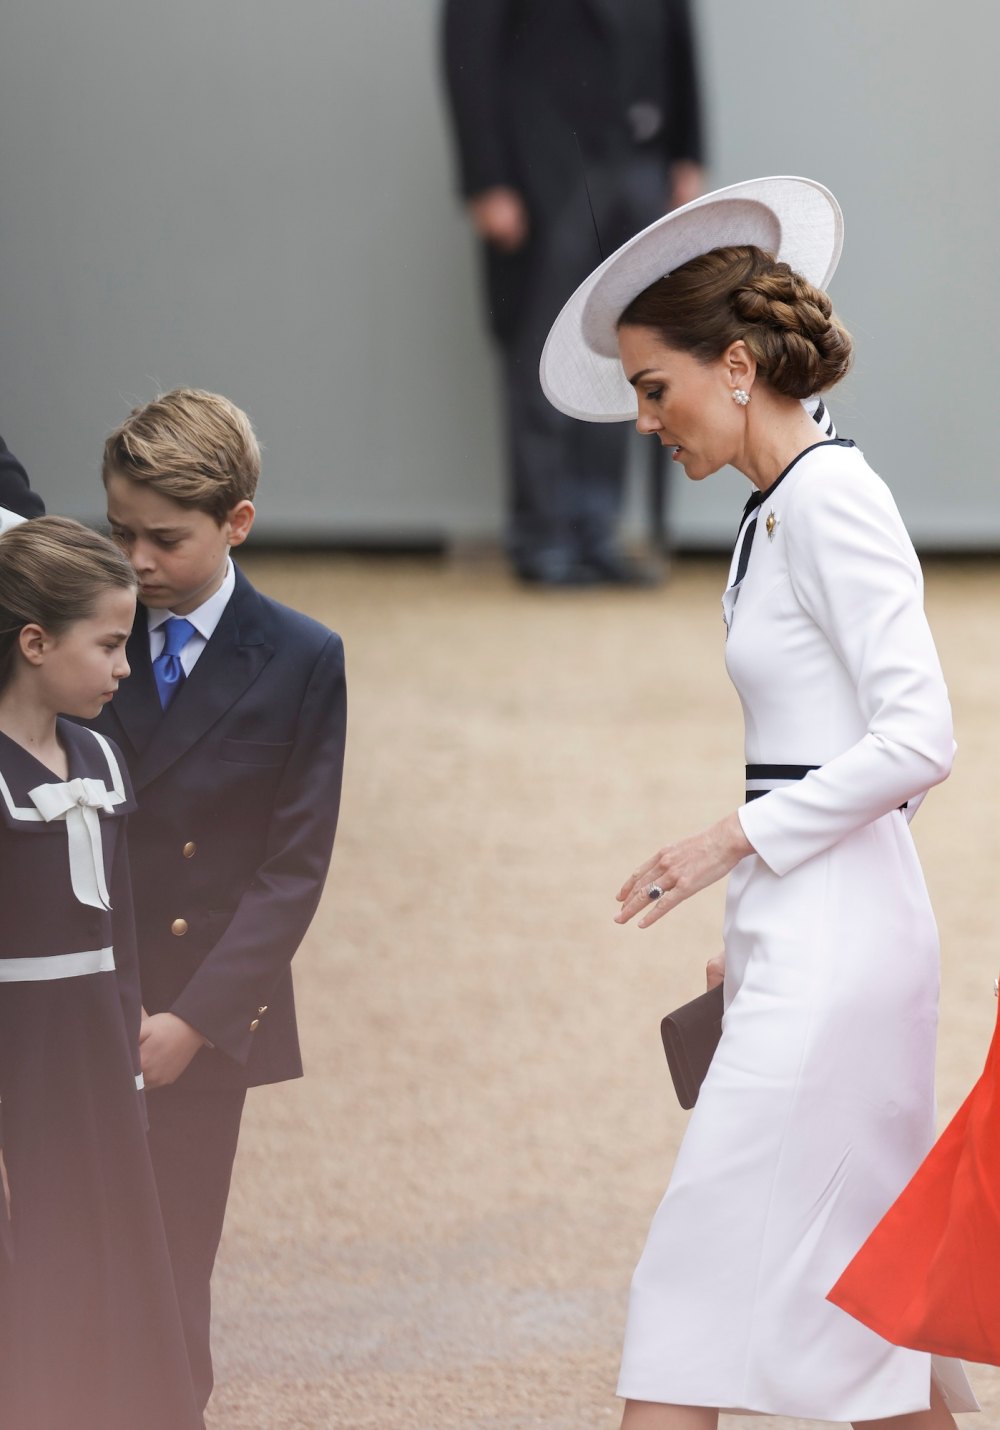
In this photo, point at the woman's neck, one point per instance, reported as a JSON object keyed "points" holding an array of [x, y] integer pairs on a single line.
{"points": [[775, 436], [33, 727]]}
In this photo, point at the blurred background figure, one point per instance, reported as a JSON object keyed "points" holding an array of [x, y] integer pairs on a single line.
{"points": [[15, 491], [576, 124]]}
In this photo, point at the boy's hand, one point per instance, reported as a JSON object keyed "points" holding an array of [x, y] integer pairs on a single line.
{"points": [[166, 1046]]}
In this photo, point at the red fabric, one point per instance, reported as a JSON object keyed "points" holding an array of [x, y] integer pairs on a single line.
{"points": [[928, 1277]]}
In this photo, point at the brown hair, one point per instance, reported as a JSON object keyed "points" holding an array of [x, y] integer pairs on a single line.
{"points": [[52, 572], [741, 292], [197, 448]]}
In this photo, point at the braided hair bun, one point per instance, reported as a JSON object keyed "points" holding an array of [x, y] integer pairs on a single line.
{"points": [[741, 292]]}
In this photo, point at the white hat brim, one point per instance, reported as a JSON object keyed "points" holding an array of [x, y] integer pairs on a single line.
{"points": [[798, 220]]}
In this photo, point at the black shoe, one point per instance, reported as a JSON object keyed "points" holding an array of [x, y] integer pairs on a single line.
{"points": [[556, 571], [612, 568]]}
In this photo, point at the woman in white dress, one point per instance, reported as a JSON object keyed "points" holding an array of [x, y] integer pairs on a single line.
{"points": [[712, 325]]}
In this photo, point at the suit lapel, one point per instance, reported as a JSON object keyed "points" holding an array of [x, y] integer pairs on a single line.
{"points": [[228, 666]]}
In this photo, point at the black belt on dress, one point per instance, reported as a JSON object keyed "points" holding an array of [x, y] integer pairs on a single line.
{"points": [[762, 779]]}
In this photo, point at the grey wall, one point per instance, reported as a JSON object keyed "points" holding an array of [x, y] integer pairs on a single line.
{"points": [[257, 198], [892, 104]]}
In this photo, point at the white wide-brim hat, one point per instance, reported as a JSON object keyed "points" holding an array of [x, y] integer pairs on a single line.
{"points": [[797, 220]]}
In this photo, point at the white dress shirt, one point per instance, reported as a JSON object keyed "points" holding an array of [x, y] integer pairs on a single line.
{"points": [[204, 618]]}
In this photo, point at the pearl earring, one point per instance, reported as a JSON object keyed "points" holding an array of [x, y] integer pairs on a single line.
{"points": [[740, 396]]}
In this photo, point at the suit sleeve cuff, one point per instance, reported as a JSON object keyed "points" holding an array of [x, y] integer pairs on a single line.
{"points": [[234, 1042]]}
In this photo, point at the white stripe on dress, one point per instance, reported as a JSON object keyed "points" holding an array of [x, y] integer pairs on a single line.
{"points": [[114, 769], [57, 965], [769, 783]]}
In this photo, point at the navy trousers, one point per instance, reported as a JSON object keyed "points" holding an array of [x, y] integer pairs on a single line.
{"points": [[192, 1143]]}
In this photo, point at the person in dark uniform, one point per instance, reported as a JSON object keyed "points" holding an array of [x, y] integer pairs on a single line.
{"points": [[550, 101], [15, 490], [90, 1330]]}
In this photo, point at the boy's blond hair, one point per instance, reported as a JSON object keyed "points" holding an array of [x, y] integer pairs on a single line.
{"points": [[195, 447]]}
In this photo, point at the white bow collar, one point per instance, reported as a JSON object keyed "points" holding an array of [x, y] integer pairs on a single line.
{"points": [[77, 802]]}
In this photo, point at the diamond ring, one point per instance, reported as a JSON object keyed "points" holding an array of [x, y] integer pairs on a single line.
{"points": [[654, 892]]}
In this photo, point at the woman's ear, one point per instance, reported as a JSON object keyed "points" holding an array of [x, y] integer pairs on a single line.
{"points": [[741, 366], [34, 641]]}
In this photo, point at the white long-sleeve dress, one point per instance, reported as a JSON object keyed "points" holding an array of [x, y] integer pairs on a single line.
{"points": [[819, 1104]]}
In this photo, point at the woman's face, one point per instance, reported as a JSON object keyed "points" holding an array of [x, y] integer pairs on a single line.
{"points": [[687, 403]]}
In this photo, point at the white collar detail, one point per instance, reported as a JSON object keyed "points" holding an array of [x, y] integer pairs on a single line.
{"points": [[77, 802], [26, 812]]}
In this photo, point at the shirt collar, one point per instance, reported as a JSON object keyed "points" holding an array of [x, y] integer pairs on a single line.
{"points": [[205, 617]]}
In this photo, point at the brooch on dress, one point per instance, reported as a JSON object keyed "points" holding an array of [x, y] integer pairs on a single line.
{"points": [[771, 524]]}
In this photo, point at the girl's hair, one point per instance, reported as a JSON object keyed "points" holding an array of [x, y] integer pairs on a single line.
{"points": [[52, 573], [789, 326]]}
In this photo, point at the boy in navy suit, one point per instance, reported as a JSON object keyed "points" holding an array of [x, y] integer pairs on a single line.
{"points": [[232, 726]]}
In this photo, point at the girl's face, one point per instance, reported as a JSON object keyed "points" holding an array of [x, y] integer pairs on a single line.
{"points": [[687, 403], [79, 670]]}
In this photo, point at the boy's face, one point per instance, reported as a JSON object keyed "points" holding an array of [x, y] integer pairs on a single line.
{"points": [[178, 553]]}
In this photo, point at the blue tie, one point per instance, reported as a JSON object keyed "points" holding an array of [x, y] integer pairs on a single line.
{"points": [[167, 669]]}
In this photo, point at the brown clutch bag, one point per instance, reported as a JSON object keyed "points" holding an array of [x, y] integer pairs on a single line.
{"points": [[690, 1037]]}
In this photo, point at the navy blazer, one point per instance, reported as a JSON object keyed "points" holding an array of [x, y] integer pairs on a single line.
{"points": [[238, 784]]}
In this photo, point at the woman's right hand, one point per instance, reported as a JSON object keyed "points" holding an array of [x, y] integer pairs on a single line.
{"points": [[715, 971], [679, 870]]}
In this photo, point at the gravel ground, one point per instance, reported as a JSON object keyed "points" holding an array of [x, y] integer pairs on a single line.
{"points": [[436, 1228]]}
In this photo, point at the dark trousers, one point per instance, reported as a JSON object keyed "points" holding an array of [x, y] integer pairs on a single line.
{"points": [[192, 1142], [566, 477]]}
